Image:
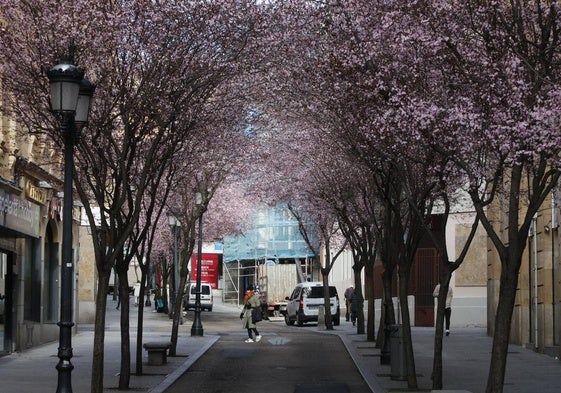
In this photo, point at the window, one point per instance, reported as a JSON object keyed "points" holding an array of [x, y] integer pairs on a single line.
{"points": [[295, 293], [32, 281], [317, 292], [205, 289]]}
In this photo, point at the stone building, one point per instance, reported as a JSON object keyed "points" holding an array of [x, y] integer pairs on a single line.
{"points": [[536, 318], [30, 237]]}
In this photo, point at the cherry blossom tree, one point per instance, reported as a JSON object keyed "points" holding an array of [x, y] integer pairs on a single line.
{"points": [[154, 65], [423, 97], [351, 79], [501, 127], [148, 231], [207, 164]]}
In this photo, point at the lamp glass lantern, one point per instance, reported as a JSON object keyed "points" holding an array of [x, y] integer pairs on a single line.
{"points": [[64, 79], [173, 221], [85, 93]]}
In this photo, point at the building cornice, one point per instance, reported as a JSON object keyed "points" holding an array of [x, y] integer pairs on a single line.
{"points": [[10, 186], [31, 169]]}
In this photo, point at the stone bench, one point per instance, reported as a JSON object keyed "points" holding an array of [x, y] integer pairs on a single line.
{"points": [[157, 352]]}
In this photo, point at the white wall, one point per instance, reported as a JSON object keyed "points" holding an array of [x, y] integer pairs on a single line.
{"points": [[469, 303], [342, 274]]}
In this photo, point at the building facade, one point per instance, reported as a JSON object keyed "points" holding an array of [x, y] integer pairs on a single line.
{"points": [[536, 320], [468, 282], [30, 238]]}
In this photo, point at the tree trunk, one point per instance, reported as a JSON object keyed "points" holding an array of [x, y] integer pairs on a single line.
{"points": [[177, 313], [369, 295], [99, 332], [124, 375], [186, 252], [406, 330], [140, 320], [359, 309], [165, 297], [438, 336], [388, 313], [503, 319], [357, 268], [327, 300]]}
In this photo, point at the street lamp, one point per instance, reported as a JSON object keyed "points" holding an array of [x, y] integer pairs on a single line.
{"points": [[174, 224], [197, 328], [70, 96]]}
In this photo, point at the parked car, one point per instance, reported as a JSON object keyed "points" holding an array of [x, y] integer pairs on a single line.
{"points": [[305, 300], [191, 296]]}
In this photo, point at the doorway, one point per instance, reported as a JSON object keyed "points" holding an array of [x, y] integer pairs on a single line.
{"points": [[425, 279], [6, 301]]}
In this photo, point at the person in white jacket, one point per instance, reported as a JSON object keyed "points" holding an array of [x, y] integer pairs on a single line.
{"points": [[448, 306]]}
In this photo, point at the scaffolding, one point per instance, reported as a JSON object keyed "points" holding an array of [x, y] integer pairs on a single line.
{"points": [[274, 238]]}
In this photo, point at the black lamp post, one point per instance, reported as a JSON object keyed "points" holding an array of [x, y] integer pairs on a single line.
{"points": [[174, 225], [197, 328], [70, 95]]}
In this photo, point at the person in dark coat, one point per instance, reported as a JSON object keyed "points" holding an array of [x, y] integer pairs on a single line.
{"points": [[354, 307], [348, 293]]}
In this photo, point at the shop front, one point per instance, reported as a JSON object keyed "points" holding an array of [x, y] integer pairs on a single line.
{"points": [[29, 266]]}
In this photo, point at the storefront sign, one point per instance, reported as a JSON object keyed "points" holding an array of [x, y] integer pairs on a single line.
{"points": [[19, 214], [36, 194]]}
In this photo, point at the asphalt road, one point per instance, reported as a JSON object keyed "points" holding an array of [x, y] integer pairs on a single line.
{"points": [[288, 359]]}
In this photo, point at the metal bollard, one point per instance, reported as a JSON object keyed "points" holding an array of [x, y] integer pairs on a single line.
{"points": [[397, 357]]}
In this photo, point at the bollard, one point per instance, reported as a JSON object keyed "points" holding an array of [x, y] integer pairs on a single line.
{"points": [[397, 356], [321, 317], [385, 354]]}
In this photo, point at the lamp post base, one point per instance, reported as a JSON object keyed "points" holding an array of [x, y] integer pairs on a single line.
{"points": [[197, 331], [197, 328]]}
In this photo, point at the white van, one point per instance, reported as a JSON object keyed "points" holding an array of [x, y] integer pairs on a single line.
{"points": [[191, 296], [305, 300]]}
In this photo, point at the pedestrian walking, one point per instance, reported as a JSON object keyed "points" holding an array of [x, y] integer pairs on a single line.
{"points": [[251, 303], [447, 307], [354, 307], [348, 293], [158, 300], [118, 298]]}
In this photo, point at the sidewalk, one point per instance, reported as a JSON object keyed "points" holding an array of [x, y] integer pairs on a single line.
{"points": [[466, 360], [34, 370]]}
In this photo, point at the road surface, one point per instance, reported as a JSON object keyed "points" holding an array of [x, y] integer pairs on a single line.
{"points": [[288, 359]]}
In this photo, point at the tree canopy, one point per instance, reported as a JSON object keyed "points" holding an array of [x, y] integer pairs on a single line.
{"points": [[363, 114]]}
